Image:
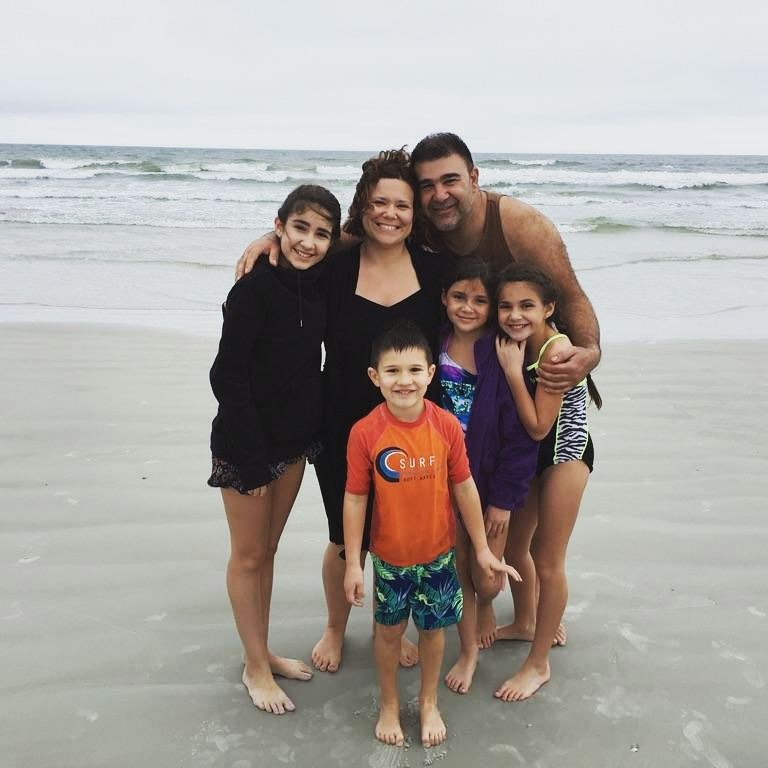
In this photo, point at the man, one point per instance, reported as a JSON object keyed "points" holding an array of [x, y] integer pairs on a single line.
{"points": [[468, 221]]}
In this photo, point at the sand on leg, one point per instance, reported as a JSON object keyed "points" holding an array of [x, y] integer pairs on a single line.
{"points": [[459, 676], [517, 553], [386, 653], [326, 655], [255, 524], [431, 649], [486, 590], [284, 492], [560, 492]]}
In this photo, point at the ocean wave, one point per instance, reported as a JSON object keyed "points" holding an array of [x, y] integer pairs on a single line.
{"points": [[677, 258], [604, 225], [84, 257], [629, 179]]}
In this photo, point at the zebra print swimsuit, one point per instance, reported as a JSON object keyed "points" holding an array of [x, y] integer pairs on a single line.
{"points": [[569, 438]]}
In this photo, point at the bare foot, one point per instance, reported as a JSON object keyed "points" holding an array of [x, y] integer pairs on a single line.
{"points": [[515, 631], [388, 728], [266, 694], [524, 632], [409, 653], [294, 669], [459, 677], [524, 683], [326, 655], [486, 624], [433, 730]]}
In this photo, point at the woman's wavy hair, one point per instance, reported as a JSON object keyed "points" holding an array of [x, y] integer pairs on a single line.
{"points": [[388, 164]]}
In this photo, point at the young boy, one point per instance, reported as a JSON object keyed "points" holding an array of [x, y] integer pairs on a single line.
{"points": [[414, 454]]}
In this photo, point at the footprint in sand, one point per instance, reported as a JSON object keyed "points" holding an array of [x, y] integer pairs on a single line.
{"points": [[749, 669], [694, 732]]}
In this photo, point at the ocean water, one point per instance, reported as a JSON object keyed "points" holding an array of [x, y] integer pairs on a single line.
{"points": [[666, 246]]}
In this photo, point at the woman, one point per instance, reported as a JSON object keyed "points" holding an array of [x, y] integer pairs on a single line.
{"points": [[378, 280]]}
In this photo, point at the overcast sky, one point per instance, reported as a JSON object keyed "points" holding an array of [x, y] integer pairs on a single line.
{"points": [[687, 76]]}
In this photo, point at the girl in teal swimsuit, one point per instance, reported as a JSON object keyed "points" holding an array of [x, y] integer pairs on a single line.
{"points": [[526, 308]]}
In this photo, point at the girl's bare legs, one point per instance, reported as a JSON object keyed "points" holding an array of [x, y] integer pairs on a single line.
{"points": [[431, 649], [560, 491], [386, 653], [255, 525], [459, 677], [486, 590], [517, 553]]}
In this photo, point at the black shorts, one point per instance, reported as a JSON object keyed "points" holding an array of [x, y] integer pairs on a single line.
{"points": [[331, 471]]}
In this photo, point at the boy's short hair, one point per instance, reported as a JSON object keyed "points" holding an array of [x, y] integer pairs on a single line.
{"points": [[401, 336]]}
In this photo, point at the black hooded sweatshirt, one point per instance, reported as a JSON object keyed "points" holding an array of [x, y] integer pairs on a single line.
{"points": [[266, 375]]}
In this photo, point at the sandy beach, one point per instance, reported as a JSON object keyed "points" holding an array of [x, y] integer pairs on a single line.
{"points": [[117, 638]]}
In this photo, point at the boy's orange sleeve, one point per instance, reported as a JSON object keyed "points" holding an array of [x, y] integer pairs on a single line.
{"points": [[358, 462], [458, 462]]}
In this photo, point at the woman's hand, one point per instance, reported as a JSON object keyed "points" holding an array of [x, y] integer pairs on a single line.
{"points": [[260, 491], [496, 521], [511, 355]]}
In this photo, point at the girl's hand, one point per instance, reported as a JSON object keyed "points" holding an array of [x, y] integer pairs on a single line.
{"points": [[260, 491], [511, 354], [353, 584], [496, 521]]}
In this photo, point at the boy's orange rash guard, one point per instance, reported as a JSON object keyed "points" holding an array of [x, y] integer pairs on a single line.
{"points": [[412, 465]]}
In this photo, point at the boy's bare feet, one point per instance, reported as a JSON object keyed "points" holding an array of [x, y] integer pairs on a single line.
{"points": [[409, 653], [459, 677], [266, 694], [326, 655], [388, 727], [433, 730], [524, 683], [486, 624], [524, 632], [294, 669]]}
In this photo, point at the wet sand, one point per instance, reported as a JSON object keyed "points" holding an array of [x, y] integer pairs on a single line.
{"points": [[117, 639]]}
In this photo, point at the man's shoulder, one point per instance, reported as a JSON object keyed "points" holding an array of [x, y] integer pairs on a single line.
{"points": [[527, 230]]}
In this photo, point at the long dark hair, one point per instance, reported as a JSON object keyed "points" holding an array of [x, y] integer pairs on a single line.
{"points": [[547, 292]]}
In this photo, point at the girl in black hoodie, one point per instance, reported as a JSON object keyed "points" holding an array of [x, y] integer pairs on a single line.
{"points": [[266, 378]]}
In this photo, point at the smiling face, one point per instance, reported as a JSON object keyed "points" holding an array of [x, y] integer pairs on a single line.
{"points": [[522, 313], [403, 377], [388, 217], [447, 190], [305, 237], [467, 305]]}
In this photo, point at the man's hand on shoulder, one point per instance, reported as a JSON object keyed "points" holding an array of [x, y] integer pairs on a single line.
{"points": [[267, 245], [565, 365]]}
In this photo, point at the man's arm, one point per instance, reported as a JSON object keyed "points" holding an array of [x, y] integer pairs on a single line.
{"points": [[267, 245], [534, 240]]}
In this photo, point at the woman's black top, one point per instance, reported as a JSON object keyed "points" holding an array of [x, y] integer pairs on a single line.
{"points": [[354, 322]]}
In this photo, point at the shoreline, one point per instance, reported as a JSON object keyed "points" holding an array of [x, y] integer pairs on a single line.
{"points": [[116, 621]]}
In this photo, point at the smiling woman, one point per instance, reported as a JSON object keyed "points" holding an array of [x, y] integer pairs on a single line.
{"points": [[379, 280]]}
